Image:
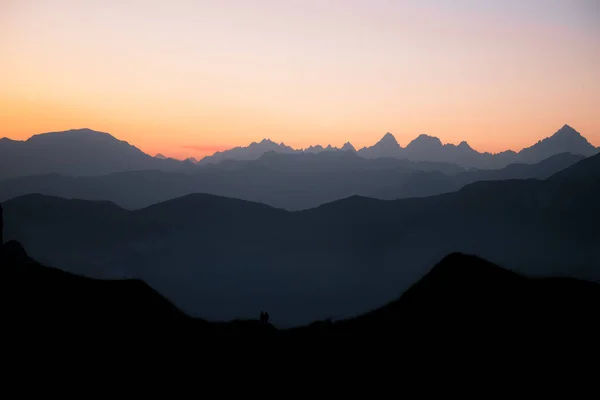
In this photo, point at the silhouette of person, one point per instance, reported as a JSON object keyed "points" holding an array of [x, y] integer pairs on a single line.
{"points": [[262, 316], [266, 317]]}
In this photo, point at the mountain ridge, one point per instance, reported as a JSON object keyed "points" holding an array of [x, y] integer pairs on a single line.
{"points": [[463, 154], [423, 148], [290, 181], [227, 258], [76, 152]]}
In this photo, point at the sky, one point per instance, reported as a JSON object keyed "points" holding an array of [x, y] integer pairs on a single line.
{"points": [[188, 78]]}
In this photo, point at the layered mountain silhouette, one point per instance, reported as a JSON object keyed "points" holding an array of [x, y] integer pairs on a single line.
{"points": [[386, 147], [84, 152], [77, 152], [252, 152], [289, 181], [191, 160], [565, 139], [430, 148], [223, 258], [461, 295], [429, 183]]}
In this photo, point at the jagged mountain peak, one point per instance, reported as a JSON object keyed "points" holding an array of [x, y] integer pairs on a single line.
{"points": [[567, 131], [388, 137], [388, 140], [387, 146], [267, 141], [314, 148], [348, 146], [566, 139]]}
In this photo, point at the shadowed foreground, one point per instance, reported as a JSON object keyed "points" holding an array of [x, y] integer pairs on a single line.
{"points": [[462, 295]]}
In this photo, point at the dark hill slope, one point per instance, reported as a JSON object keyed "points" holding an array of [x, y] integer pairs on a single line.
{"points": [[33, 293], [586, 170], [470, 296], [462, 295]]}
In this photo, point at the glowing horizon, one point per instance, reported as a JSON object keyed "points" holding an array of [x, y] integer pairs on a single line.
{"points": [[188, 78]]}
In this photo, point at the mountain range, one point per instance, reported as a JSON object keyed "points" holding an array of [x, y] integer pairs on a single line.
{"points": [[95, 166], [288, 181], [84, 152], [430, 148], [222, 258]]}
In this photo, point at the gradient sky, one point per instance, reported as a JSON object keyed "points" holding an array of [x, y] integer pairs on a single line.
{"points": [[187, 78]]}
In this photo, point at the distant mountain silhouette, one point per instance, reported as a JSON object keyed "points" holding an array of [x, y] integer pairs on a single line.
{"points": [[430, 148], [425, 145], [386, 147], [566, 139], [314, 149], [348, 147], [222, 258], [252, 152], [77, 152], [84, 152], [191, 160], [291, 181]]}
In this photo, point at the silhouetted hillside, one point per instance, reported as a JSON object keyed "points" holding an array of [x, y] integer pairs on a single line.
{"points": [[35, 294], [587, 170], [467, 295], [460, 295]]}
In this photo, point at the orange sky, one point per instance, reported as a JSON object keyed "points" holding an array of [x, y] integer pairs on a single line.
{"points": [[186, 78]]}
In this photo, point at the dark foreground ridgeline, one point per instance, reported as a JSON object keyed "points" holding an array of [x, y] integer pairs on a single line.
{"points": [[461, 295]]}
